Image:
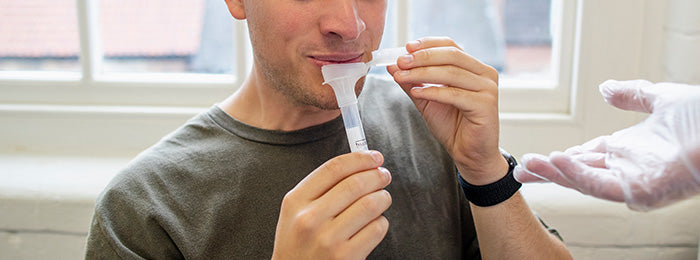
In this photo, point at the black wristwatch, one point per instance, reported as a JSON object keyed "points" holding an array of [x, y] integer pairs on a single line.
{"points": [[494, 193]]}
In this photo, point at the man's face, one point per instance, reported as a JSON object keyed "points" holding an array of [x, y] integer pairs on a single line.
{"points": [[292, 39]]}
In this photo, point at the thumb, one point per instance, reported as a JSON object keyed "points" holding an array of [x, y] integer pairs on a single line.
{"points": [[534, 168], [628, 95]]}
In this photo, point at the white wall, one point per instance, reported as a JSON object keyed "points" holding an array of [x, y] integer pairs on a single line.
{"points": [[682, 61]]}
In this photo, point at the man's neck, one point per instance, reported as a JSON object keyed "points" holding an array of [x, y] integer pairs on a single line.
{"points": [[259, 105]]}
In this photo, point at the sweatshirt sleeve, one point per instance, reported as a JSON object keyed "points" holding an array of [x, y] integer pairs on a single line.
{"points": [[126, 225]]}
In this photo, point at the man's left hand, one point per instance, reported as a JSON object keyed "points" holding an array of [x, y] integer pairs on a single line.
{"points": [[458, 98]]}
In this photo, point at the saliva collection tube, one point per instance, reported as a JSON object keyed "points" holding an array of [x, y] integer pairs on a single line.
{"points": [[342, 78]]}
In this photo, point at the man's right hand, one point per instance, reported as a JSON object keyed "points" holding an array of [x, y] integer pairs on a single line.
{"points": [[336, 211]]}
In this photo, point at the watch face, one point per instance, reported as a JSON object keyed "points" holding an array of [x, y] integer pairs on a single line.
{"points": [[511, 160]]}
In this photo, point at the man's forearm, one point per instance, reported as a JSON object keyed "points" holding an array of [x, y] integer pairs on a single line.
{"points": [[510, 230]]}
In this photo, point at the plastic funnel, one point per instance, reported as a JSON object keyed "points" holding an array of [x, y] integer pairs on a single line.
{"points": [[342, 78]]}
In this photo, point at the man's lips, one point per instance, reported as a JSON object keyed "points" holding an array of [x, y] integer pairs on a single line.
{"points": [[320, 60]]}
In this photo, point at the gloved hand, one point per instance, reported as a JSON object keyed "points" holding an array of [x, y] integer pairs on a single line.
{"points": [[649, 165]]}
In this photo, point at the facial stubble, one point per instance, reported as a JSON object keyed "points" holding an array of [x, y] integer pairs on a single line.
{"points": [[288, 83]]}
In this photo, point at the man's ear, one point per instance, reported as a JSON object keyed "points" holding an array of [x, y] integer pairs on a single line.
{"points": [[236, 8]]}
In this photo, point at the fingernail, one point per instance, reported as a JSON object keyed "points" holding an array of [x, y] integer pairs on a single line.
{"points": [[417, 89], [408, 58], [376, 156], [386, 173], [403, 73], [413, 44]]}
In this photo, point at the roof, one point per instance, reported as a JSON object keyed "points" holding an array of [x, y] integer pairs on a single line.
{"points": [[32, 28]]}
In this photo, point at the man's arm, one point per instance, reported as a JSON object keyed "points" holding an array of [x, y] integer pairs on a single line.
{"points": [[458, 97], [99, 244], [127, 223], [509, 230]]}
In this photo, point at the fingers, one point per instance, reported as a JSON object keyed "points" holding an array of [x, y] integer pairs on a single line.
{"points": [[627, 95], [522, 175], [436, 51], [342, 198], [536, 167], [429, 42], [351, 189], [333, 171], [360, 213], [436, 69], [588, 176], [448, 75], [426, 52], [456, 97], [595, 160], [369, 237], [598, 182], [644, 96], [443, 52], [540, 168], [406, 87]]}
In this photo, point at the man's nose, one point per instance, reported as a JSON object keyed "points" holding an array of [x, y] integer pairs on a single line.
{"points": [[343, 20]]}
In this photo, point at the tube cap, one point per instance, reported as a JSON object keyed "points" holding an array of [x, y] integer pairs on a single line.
{"points": [[386, 57]]}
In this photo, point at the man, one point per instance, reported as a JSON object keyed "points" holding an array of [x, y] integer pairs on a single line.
{"points": [[213, 189]]}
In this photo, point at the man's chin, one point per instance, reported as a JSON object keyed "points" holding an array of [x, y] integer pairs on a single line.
{"points": [[316, 103], [328, 106]]}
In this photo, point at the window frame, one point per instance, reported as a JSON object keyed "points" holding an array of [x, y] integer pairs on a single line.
{"points": [[548, 95]]}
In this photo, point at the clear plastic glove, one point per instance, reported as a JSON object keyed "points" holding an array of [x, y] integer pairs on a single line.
{"points": [[649, 165]]}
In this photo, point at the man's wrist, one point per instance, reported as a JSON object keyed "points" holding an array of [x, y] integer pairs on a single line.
{"points": [[495, 192], [490, 173]]}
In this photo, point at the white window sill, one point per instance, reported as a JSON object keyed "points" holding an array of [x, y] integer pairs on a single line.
{"points": [[56, 177], [51, 193]]}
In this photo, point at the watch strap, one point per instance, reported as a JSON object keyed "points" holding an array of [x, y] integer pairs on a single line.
{"points": [[493, 193]]}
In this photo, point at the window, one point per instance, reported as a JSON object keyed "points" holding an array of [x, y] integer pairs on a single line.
{"points": [[512, 36], [193, 36], [131, 36], [125, 53], [530, 42], [39, 37], [127, 46], [106, 62]]}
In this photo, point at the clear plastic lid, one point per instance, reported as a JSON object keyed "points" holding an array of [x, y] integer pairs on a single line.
{"points": [[385, 57]]}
